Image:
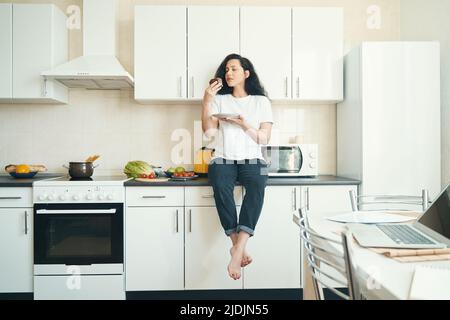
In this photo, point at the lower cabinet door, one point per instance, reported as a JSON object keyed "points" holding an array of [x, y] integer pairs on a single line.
{"points": [[154, 248], [275, 247], [207, 251], [16, 250]]}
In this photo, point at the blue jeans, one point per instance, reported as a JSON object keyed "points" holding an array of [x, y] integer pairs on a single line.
{"points": [[252, 174]]}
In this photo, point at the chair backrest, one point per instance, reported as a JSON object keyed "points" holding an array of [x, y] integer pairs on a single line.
{"points": [[319, 254], [389, 202]]}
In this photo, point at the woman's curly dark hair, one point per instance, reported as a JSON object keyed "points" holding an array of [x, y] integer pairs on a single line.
{"points": [[252, 84]]}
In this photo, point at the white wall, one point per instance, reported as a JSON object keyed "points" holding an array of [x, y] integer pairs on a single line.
{"points": [[429, 20], [112, 124]]}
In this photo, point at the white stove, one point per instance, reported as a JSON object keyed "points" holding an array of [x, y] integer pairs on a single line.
{"points": [[79, 238], [102, 189]]}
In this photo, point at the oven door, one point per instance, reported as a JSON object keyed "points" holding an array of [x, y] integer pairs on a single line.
{"points": [[78, 234], [283, 160]]}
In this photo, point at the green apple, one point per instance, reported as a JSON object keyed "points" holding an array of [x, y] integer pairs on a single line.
{"points": [[171, 169], [179, 169]]}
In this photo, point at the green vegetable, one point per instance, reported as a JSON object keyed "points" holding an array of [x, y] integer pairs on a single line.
{"points": [[134, 169]]}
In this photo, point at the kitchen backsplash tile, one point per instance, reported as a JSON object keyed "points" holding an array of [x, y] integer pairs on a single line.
{"points": [[112, 124]]}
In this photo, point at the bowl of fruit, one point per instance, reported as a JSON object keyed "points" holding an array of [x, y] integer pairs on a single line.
{"points": [[24, 171], [179, 173]]}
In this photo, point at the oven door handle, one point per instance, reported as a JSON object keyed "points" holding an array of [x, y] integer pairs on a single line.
{"points": [[94, 211]]}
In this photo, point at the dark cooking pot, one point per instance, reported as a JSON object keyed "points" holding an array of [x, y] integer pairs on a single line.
{"points": [[80, 169]]}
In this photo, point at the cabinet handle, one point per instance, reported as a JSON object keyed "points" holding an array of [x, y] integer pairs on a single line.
{"points": [[208, 196], [192, 85], [176, 227], [298, 87], [180, 89], [190, 220], [45, 87], [307, 199], [26, 222], [153, 197], [286, 86], [10, 198], [295, 199]]}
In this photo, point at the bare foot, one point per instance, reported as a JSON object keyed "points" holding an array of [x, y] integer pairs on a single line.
{"points": [[246, 258], [234, 267]]}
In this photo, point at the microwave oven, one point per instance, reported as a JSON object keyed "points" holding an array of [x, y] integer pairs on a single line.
{"points": [[291, 160]]}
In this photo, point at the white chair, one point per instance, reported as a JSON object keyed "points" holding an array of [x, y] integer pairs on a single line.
{"points": [[318, 255], [389, 202]]}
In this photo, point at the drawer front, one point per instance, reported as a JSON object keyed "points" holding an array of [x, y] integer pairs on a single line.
{"points": [[16, 197], [204, 196], [154, 196]]}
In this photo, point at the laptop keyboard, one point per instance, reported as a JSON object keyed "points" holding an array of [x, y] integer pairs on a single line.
{"points": [[403, 234]]}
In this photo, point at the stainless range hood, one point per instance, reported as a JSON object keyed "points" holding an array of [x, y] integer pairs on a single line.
{"points": [[98, 68]]}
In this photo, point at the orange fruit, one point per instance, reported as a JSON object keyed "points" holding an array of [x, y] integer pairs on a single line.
{"points": [[22, 168]]}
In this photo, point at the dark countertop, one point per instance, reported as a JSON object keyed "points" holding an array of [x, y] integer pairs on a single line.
{"points": [[10, 182], [319, 180]]}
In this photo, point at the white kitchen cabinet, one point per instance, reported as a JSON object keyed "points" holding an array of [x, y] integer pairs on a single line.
{"points": [[323, 201], [39, 42], [207, 248], [213, 33], [5, 52], [154, 248], [207, 251], [16, 247], [317, 51], [275, 247], [266, 41], [160, 53]]}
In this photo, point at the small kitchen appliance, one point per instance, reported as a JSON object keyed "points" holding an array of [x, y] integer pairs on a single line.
{"points": [[291, 160]]}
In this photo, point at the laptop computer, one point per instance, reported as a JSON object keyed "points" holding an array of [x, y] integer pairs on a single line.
{"points": [[431, 230]]}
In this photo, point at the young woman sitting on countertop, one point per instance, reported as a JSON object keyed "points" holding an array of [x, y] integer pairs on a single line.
{"points": [[237, 90]]}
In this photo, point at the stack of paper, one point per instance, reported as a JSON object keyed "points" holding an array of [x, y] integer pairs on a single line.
{"points": [[430, 283]]}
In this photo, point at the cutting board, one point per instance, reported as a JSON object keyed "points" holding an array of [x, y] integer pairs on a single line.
{"points": [[152, 180]]}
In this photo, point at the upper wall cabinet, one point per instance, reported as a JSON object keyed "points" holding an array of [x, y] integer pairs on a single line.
{"points": [[172, 63], [317, 63], [213, 33], [266, 42], [297, 52], [160, 53], [33, 38]]}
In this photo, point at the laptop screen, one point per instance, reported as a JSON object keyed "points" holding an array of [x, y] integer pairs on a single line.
{"points": [[437, 216]]}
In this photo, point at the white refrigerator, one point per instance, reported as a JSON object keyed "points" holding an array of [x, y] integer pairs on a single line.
{"points": [[388, 126]]}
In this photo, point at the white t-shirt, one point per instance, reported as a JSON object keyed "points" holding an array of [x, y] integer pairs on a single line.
{"points": [[232, 142]]}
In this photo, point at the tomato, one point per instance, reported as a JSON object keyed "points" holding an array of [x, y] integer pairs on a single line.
{"points": [[151, 175], [143, 175]]}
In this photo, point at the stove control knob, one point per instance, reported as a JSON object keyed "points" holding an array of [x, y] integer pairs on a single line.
{"points": [[42, 197], [62, 197], [51, 197], [312, 155], [312, 165], [76, 197], [110, 197], [89, 197], [101, 197]]}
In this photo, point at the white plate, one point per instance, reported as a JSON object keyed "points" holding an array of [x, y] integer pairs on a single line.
{"points": [[370, 217], [183, 178], [226, 115]]}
